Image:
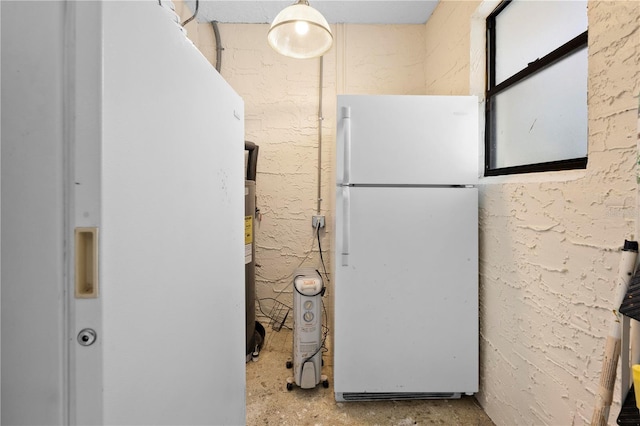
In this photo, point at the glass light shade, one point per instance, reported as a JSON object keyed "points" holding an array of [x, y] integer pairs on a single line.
{"points": [[300, 31]]}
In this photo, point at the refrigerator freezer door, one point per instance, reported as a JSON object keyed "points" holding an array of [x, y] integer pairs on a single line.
{"points": [[406, 303], [431, 140]]}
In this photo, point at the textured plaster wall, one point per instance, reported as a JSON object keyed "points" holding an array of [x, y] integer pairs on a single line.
{"points": [[549, 243], [281, 98], [379, 59], [447, 49]]}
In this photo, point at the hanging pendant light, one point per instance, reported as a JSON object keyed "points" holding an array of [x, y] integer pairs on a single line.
{"points": [[300, 31]]}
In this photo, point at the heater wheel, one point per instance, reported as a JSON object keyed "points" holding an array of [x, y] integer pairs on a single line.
{"points": [[289, 386], [325, 384], [289, 364]]}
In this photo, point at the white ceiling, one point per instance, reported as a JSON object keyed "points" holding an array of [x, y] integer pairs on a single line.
{"points": [[335, 11]]}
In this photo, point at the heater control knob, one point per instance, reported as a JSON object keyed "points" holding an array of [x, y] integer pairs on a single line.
{"points": [[308, 316], [308, 304]]}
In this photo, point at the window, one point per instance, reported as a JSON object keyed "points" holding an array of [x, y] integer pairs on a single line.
{"points": [[536, 101]]}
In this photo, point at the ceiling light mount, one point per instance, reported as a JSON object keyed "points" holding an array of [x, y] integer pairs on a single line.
{"points": [[300, 31]]}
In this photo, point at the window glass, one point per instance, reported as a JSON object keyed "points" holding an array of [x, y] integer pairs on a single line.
{"points": [[528, 30], [544, 117]]}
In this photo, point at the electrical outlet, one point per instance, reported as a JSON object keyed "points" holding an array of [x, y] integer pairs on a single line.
{"points": [[317, 221]]}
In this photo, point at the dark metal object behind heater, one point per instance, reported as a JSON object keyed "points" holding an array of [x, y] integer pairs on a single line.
{"points": [[254, 330]]}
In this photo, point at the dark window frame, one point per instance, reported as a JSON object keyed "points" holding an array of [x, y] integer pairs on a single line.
{"points": [[570, 47]]}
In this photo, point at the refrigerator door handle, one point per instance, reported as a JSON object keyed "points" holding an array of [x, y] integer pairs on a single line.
{"points": [[346, 225], [346, 117]]}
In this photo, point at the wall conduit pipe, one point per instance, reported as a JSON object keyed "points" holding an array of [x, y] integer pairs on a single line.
{"points": [[219, 48], [320, 120]]}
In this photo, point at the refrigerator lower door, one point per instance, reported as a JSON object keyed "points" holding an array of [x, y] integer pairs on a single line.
{"points": [[406, 293]]}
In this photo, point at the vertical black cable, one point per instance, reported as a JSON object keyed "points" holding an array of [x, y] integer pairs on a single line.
{"points": [[321, 257]]}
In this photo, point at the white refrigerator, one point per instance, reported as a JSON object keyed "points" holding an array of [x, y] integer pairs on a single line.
{"points": [[122, 215], [406, 247]]}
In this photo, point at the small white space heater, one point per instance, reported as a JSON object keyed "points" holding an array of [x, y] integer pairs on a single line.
{"points": [[307, 330]]}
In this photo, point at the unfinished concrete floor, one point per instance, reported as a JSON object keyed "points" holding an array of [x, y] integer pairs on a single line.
{"points": [[269, 402]]}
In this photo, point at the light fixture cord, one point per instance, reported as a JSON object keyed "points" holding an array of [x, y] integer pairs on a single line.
{"points": [[320, 120]]}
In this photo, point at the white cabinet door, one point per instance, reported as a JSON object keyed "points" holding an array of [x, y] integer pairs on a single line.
{"points": [[171, 222], [117, 126], [406, 295]]}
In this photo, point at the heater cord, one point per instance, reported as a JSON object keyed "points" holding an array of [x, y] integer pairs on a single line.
{"points": [[291, 274], [317, 228], [324, 267]]}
